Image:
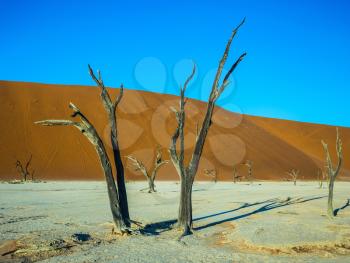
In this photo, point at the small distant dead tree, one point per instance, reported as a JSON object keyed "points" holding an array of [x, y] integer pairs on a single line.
{"points": [[139, 166], [188, 172], [249, 164], [332, 171], [117, 194], [236, 176], [321, 177], [211, 173], [24, 170], [294, 173]]}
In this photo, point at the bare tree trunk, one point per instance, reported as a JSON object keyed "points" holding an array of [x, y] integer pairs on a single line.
{"points": [[235, 175], [330, 209], [120, 176], [151, 187], [332, 173], [319, 178], [188, 172], [185, 219]]}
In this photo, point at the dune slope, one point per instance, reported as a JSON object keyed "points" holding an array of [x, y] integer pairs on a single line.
{"points": [[144, 120]]}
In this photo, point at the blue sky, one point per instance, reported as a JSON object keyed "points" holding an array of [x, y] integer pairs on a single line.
{"points": [[298, 51]]}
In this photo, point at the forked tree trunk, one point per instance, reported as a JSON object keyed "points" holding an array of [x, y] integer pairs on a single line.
{"points": [[111, 108], [332, 173], [24, 171], [188, 172], [86, 128]]}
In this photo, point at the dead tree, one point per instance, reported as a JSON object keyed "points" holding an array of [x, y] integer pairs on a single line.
{"points": [[332, 172], [212, 174], [236, 176], [111, 108], [249, 164], [321, 177], [117, 195], [24, 171], [188, 172], [139, 166], [294, 173]]}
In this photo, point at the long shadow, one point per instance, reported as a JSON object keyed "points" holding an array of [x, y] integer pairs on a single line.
{"points": [[245, 205], [336, 211], [163, 226], [271, 205]]}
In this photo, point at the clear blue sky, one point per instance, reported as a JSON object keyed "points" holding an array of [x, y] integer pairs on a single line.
{"points": [[298, 51]]}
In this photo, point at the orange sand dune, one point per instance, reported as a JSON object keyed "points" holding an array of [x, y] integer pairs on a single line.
{"points": [[144, 120]]}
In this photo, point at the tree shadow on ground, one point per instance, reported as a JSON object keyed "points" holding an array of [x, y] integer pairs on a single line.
{"points": [[163, 226], [336, 211], [245, 205], [271, 204], [156, 229]]}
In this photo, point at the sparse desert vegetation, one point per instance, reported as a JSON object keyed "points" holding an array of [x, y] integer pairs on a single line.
{"points": [[24, 171], [150, 176]]}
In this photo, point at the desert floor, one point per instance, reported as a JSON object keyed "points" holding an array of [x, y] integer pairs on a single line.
{"points": [[261, 222]]}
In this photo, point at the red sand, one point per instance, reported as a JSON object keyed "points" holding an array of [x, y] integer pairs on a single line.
{"points": [[144, 119]]}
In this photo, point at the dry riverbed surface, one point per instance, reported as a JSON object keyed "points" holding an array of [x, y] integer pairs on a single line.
{"points": [[259, 222]]}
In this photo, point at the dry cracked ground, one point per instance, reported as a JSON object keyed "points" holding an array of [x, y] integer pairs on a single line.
{"points": [[259, 222]]}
